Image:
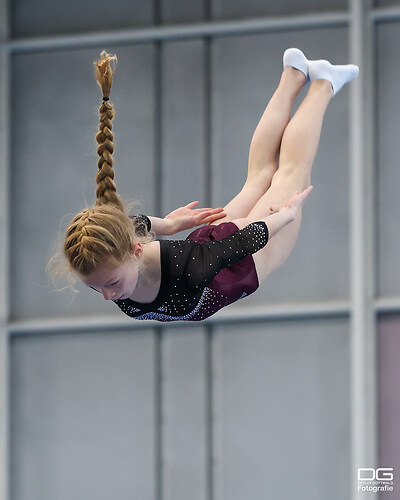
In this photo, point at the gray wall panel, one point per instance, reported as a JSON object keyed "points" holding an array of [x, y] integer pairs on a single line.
{"points": [[389, 396], [184, 414], [181, 11], [222, 9], [388, 174], [386, 3], [54, 160], [282, 410], [247, 70], [183, 129], [83, 416], [55, 17]]}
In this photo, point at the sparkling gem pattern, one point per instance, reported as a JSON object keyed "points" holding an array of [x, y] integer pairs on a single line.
{"points": [[198, 279]]}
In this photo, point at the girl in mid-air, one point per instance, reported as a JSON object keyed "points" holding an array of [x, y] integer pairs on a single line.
{"points": [[240, 245]]}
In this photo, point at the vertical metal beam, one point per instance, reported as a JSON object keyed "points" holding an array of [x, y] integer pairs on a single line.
{"points": [[4, 242], [4, 415], [363, 322], [4, 158]]}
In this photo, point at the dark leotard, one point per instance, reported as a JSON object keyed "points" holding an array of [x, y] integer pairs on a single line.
{"points": [[212, 268]]}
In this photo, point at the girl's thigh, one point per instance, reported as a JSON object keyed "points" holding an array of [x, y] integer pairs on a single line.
{"points": [[242, 204]]}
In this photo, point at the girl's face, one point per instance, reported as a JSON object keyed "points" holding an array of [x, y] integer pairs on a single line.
{"points": [[115, 281]]}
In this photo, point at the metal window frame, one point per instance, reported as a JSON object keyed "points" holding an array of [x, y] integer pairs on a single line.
{"points": [[362, 308], [4, 257]]}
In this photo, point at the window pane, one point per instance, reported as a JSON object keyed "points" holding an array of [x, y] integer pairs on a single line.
{"points": [[223, 9], [56, 17], [83, 416], [282, 404], [388, 153], [388, 393], [182, 11]]}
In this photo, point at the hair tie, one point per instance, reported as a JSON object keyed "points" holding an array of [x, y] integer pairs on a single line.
{"points": [[106, 98]]}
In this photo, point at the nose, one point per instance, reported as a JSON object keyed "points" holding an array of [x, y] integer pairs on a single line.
{"points": [[107, 294]]}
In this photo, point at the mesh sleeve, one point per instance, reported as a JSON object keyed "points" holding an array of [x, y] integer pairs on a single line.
{"points": [[142, 224], [207, 259]]}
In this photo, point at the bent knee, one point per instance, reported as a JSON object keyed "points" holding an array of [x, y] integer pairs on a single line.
{"points": [[260, 179], [291, 177]]}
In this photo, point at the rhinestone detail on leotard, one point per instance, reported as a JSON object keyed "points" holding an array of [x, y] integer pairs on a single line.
{"points": [[187, 291]]}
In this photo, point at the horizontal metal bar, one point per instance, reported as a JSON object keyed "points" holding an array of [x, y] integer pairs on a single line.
{"points": [[282, 311], [385, 14], [387, 305], [179, 32], [254, 313]]}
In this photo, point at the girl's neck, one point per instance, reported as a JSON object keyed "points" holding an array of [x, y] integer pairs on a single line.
{"points": [[149, 280]]}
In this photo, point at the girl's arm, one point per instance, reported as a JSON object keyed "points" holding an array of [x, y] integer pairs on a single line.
{"points": [[185, 218]]}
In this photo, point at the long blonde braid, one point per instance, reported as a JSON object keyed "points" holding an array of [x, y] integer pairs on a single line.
{"points": [[103, 233], [106, 192]]}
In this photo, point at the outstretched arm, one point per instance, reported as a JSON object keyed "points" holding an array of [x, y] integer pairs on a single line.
{"points": [[185, 218]]}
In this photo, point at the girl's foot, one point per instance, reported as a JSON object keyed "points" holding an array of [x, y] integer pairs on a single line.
{"points": [[336, 74], [296, 59]]}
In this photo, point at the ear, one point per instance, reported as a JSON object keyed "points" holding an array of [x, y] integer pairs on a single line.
{"points": [[137, 249]]}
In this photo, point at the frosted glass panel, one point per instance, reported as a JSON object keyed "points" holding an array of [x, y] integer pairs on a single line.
{"points": [[54, 161], [388, 395], [185, 436], [388, 148], [386, 3], [253, 8], [182, 11], [282, 409], [246, 72], [55, 17], [83, 416], [183, 116]]}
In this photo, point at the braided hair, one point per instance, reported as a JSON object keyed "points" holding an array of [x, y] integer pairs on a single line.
{"points": [[106, 192], [104, 231]]}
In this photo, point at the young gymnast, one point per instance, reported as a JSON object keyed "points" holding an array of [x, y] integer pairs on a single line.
{"points": [[226, 260]]}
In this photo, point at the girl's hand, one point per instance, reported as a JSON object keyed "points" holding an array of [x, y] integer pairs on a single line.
{"points": [[294, 203], [187, 217]]}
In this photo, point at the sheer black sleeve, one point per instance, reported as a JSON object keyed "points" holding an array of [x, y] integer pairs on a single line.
{"points": [[142, 224], [205, 260]]}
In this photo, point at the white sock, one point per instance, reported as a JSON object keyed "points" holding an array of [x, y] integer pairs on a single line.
{"points": [[336, 74], [296, 59]]}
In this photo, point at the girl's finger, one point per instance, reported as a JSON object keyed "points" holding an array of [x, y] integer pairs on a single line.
{"points": [[214, 217], [211, 210], [192, 204]]}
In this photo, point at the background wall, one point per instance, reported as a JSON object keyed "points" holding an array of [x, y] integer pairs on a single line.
{"points": [[284, 385]]}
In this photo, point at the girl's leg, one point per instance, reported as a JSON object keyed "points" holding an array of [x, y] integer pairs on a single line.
{"points": [[299, 146], [265, 145]]}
